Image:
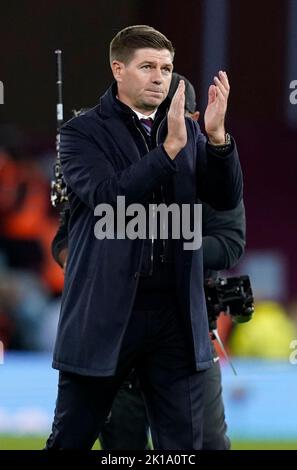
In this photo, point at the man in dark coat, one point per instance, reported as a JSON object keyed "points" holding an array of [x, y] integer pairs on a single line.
{"points": [[138, 303]]}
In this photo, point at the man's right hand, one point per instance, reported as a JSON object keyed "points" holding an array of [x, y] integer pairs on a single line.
{"points": [[177, 133]]}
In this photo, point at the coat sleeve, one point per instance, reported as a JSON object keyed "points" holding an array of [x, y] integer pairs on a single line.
{"points": [[91, 176], [224, 236], [219, 177]]}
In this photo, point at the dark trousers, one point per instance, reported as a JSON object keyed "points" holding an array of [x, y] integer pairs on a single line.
{"points": [[214, 424], [156, 346], [127, 425]]}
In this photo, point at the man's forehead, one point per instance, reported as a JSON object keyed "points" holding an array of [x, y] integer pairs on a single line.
{"points": [[152, 55]]}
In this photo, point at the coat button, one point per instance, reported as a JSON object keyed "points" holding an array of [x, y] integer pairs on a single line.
{"points": [[136, 275]]}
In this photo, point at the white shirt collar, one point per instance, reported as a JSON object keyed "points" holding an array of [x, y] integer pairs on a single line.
{"points": [[143, 116]]}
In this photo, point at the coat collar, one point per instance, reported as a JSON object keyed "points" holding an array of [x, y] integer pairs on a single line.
{"points": [[117, 115], [110, 106]]}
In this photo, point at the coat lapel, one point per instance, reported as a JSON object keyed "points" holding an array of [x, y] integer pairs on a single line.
{"points": [[126, 144]]}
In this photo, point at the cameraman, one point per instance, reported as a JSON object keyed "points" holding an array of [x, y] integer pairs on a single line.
{"points": [[223, 245]]}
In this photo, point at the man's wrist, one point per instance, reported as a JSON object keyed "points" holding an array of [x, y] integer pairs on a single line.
{"points": [[221, 150], [217, 139], [220, 142], [171, 149]]}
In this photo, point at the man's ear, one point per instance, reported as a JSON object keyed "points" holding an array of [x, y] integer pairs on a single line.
{"points": [[117, 68], [195, 116]]}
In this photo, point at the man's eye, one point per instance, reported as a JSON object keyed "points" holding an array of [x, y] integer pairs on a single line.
{"points": [[146, 67]]}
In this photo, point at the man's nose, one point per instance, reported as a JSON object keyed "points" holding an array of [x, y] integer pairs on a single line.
{"points": [[157, 77]]}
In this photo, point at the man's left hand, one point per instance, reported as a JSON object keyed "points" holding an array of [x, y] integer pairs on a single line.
{"points": [[216, 109]]}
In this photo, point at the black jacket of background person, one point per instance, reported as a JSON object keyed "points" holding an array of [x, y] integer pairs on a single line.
{"points": [[224, 238], [102, 158]]}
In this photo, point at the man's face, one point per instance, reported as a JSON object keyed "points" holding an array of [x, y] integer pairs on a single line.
{"points": [[143, 83]]}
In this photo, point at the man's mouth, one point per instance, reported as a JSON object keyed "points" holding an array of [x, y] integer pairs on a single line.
{"points": [[158, 92]]}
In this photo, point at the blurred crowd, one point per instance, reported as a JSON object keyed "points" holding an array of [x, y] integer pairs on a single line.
{"points": [[31, 282]]}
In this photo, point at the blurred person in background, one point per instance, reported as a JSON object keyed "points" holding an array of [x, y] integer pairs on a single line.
{"points": [[268, 336], [28, 276], [22, 194], [223, 245], [23, 301], [26, 224]]}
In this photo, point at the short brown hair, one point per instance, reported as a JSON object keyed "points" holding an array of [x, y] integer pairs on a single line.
{"points": [[126, 41]]}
